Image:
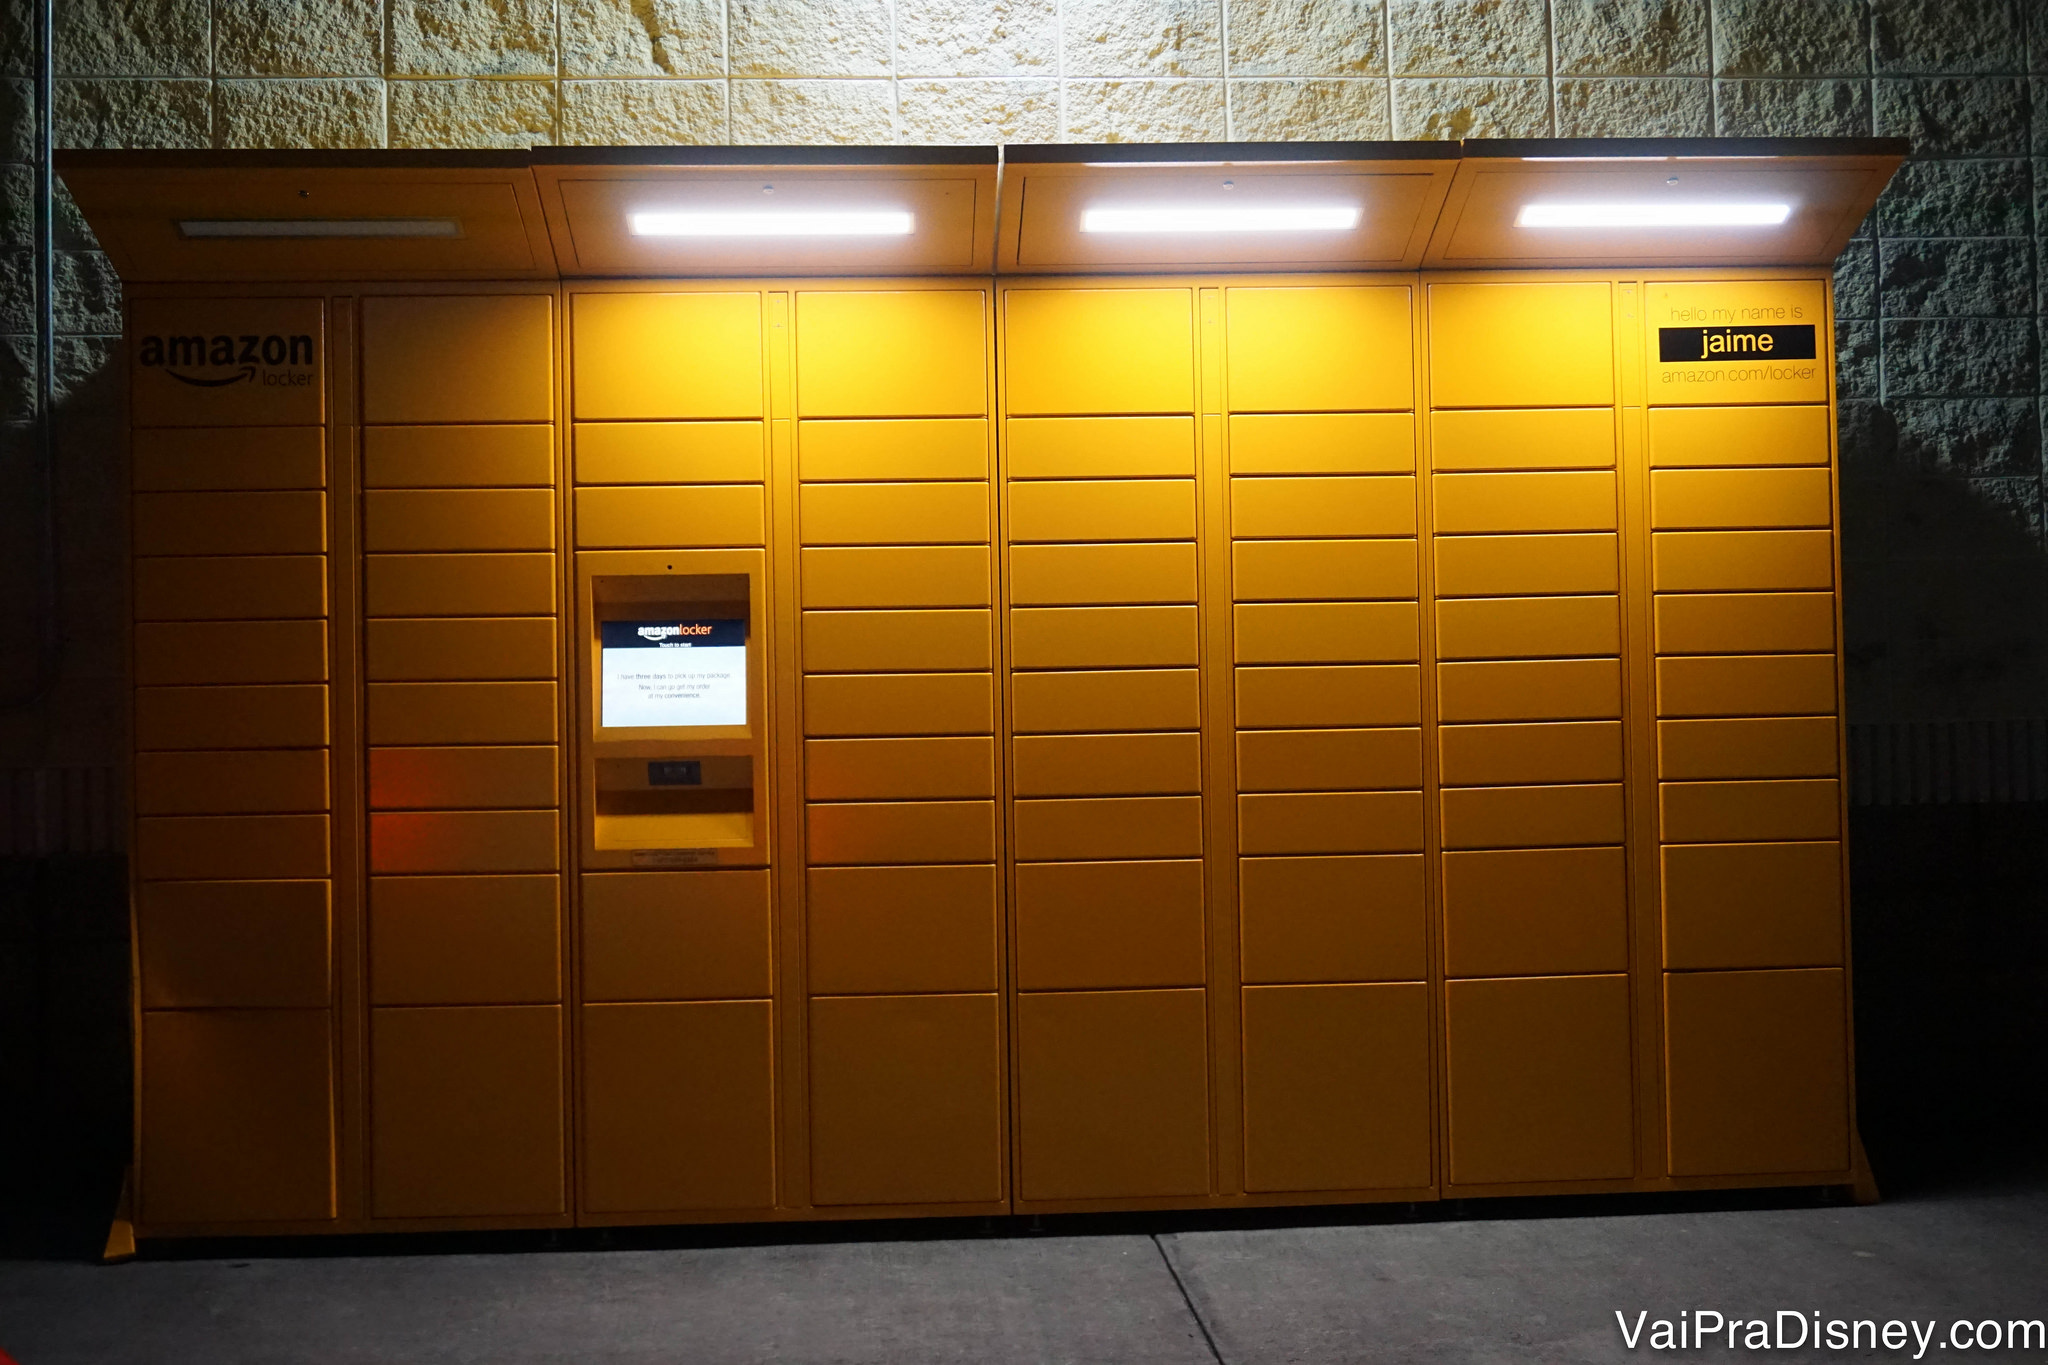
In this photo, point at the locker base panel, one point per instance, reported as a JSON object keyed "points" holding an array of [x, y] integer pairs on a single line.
{"points": [[1853, 1181]]}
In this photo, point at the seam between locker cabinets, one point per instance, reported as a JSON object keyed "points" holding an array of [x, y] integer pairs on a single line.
{"points": [[999, 595], [352, 1031], [1423, 447], [788, 862], [1638, 820], [1215, 640], [999, 657], [568, 785]]}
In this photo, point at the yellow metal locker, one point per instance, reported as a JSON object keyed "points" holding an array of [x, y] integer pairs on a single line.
{"points": [[1208, 740]]}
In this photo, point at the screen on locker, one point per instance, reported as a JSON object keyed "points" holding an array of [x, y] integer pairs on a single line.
{"points": [[674, 672]]}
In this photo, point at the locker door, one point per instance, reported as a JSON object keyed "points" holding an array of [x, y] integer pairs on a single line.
{"points": [[1539, 1082], [1114, 1093]]}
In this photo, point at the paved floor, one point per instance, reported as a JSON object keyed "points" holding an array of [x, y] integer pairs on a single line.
{"points": [[1482, 1288]]}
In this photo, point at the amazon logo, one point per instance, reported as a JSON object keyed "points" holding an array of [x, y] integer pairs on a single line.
{"points": [[272, 360]]}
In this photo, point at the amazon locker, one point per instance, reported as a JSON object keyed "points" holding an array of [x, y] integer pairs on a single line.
{"points": [[747, 684]]}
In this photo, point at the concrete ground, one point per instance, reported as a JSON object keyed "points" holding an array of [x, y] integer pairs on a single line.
{"points": [[1503, 1283]]}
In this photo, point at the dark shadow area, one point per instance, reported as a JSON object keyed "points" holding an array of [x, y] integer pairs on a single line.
{"points": [[64, 1052], [1950, 917], [1951, 943]]}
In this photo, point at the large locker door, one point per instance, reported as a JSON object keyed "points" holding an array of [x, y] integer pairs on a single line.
{"points": [[895, 520], [234, 897], [1325, 643], [1746, 656], [1525, 506], [678, 1033], [1105, 815], [461, 658]]}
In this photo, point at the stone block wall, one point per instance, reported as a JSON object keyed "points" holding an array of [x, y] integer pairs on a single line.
{"points": [[1942, 296]]}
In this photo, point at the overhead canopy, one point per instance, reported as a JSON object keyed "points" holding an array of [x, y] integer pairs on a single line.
{"points": [[1660, 202], [634, 211], [1222, 205], [565, 212], [357, 215]]}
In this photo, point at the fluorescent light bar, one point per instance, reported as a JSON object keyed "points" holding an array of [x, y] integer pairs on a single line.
{"points": [[320, 227], [782, 223], [1201, 218], [1678, 214]]}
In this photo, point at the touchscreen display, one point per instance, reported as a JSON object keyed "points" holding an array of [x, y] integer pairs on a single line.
{"points": [[673, 673]]}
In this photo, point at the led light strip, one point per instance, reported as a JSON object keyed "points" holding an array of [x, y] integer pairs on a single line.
{"points": [[1697, 213], [1205, 218], [782, 223], [319, 227]]}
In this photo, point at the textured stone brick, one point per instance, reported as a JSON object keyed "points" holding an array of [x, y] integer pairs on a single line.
{"points": [[1298, 110], [298, 38], [639, 38], [1856, 281], [615, 113], [18, 291], [1790, 38], [82, 362], [472, 38], [1635, 106], [1856, 359], [17, 378], [1144, 111], [799, 38], [1958, 199], [1456, 107], [88, 294], [1307, 37], [1959, 357], [1141, 37], [1975, 436], [970, 38], [17, 53], [17, 194], [471, 113], [132, 38], [1975, 277], [73, 232], [979, 111], [17, 119], [299, 113], [812, 111], [1947, 36], [1631, 37], [1469, 38], [1980, 117], [1793, 108], [133, 114]]}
